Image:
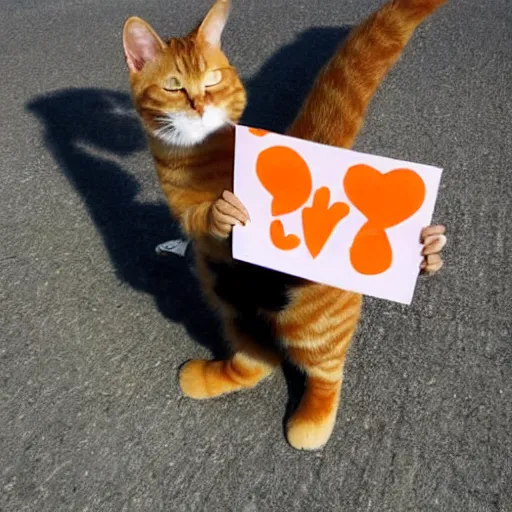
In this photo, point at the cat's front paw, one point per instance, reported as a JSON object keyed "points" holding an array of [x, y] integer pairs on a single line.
{"points": [[226, 212], [193, 379], [433, 239]]}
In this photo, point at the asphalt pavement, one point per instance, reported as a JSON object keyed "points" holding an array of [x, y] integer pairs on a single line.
{"points": [[94, 326]]}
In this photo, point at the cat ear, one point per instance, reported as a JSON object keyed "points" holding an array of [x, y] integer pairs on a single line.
{"points": [[141, 43], [213, 25]]}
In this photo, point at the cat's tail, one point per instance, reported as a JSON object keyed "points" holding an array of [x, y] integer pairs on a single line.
{"points": [[334, 112]]}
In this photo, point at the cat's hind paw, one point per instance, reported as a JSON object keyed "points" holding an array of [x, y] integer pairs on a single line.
{"points": [[312, 434]]}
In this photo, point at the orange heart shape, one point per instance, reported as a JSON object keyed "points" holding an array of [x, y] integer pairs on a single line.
{"points": [[384, 199], [280, 240], [319, 220], [286, 176]]}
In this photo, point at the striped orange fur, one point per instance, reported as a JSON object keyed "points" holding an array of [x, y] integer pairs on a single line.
{"points": [[182, 88], [334, 112]]}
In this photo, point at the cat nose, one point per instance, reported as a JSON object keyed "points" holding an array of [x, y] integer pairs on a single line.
{"points": [[198, 104]]}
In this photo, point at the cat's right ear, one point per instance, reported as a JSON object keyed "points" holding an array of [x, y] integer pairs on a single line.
{"points": [[141, 43]]}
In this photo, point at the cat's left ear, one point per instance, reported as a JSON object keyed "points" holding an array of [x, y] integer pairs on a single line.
{"points": [[210, 30]]}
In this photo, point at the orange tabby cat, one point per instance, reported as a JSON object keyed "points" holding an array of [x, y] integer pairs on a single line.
{"points": [[188, 96]]}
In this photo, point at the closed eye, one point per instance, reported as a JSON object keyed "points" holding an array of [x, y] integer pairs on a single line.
{"points": [[213, 78], [173, 85]]}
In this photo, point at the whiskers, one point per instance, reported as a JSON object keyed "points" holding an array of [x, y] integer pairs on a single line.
{"points": [[166, 130], [178, 129], [182, 129]]}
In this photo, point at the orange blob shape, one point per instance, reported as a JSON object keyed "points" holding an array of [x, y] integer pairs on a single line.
{"points": [[384, 199], [286, 176], [371, 252], [319, 220], [259, 132], [280, 240]]}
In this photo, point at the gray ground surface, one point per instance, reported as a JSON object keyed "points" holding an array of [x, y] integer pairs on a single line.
{"points": [[94, 328]]}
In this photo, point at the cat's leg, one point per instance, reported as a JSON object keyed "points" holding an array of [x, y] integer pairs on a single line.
{"points": [[317, 339], [312, 424], [250, 363]]}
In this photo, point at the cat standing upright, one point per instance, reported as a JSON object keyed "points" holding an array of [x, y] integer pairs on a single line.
{"points": [[188, 96]]}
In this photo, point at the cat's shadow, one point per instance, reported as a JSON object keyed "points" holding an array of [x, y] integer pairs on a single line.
{"points": [[89, 131]]}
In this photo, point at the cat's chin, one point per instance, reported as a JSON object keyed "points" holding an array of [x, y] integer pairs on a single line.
{"points": [[182, 130]]}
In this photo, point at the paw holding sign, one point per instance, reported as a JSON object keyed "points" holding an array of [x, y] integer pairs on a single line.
{"points": [[433, 239], [227, 211]]}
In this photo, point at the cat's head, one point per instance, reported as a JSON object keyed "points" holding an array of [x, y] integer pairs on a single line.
{"points": [[184, 89]]}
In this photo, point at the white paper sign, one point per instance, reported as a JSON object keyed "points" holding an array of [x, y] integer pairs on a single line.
{"points": [[331, 215]]}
